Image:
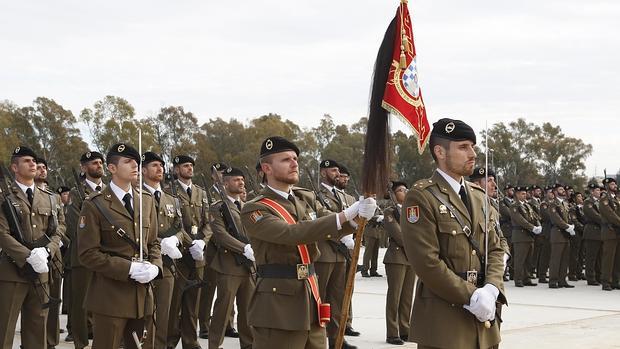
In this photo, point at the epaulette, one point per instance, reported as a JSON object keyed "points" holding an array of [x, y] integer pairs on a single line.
{"points": [[47, 191], [256, 199], [146, 192], [197, 186], [301, 189], [92, 195], [423, 183], [475, 186]]}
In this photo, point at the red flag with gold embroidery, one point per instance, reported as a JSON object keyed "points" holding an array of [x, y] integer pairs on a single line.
{"points": [[403, 95]]}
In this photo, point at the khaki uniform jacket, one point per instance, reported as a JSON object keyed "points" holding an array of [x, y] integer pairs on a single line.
{"points": [[559, 216], [195, 212], [576, 217], [395, 253], [35, 220], [535, 205], [328, 251], [73, 215], [286, 304], [504, 211], [591, 212], [524, 219], [494, 219], [610, 214], [545, 219], [438, 248], [169, 221], [224, 261], [111, 292]]}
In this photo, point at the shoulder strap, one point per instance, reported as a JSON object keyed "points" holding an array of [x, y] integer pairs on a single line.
{"points": [[468, 232], [122, 233], [303, 253]]}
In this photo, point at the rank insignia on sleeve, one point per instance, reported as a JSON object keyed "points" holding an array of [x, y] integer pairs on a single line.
{"points": [[413, 214], [82, 222], [256, 216]]}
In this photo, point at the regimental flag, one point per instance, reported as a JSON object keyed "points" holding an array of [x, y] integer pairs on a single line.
{"points": [[403, 95]]}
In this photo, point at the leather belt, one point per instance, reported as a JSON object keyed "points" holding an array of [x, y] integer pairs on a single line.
{"points": [[285, 271]]}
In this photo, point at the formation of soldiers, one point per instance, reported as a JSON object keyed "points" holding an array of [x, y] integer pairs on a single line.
{"points": [[151, 259]]}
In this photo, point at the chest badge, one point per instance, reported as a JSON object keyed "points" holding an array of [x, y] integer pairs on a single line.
{"points": [[443, 209], [413, 214]]}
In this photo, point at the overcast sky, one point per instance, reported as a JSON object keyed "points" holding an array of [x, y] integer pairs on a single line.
{"points": [[480, 61]]}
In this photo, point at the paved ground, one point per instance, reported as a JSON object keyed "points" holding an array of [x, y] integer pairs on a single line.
{"points": [[583, 317]]}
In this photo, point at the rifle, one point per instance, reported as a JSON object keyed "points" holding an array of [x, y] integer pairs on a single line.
{"points": [[15, 229], [78, 187], [231, 226], [338, 246], [394, 202], [253, 184]]}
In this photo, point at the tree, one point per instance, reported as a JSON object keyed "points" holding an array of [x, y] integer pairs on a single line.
{"points": [[174, 131]]}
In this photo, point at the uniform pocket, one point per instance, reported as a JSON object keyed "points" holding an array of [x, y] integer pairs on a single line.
{"points": [[278, 286]]}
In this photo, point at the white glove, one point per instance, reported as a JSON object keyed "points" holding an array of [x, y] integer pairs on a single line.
{"points": [[352, 211], [506, 258], [348, 241], [367, 208], [38, 260], [248, 252], [169, 247], [144, 272], [197, 250], [571, 229], [379, 218], [537, 230], [482, 303]]}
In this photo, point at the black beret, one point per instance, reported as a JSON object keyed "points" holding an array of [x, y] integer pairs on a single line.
{"points": [[454, 130], [22, 151], [124, 150], [277, 144], [150, 156], [41, 161], [535, 187], [593, 186], [608, 180], [549, 187], [343, 169], [481, 172], [233, 172], [220, 166], [508, 186], [91, 155], [63, 189], [520, 188], [557, 185], [567, 187], [396, 184], [328, 164], [182, 159]]}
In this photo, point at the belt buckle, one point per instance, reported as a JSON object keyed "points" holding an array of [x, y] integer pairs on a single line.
{"points": [[472, 277], [302, 271]]}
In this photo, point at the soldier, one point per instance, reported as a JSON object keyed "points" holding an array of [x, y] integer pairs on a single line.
{"points": [[233, 262], [592, 235], [610, 235], [331, 264], [341, 184], [506, 225], [525, 226], [24, 269], [442, 225], [575, 267], [561, 233], [171, 235], [194, 211], [535, 193], [400, 275], [542, 245], [109, 243], [283, 224]]}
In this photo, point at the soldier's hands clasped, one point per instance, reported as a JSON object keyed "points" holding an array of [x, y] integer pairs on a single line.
{"points": [[38, 260], [169, 247], [197, 250], [482, 303], [537, 230]]}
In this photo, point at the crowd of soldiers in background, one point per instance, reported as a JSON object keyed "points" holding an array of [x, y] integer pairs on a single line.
{"points": [[554, 233]]}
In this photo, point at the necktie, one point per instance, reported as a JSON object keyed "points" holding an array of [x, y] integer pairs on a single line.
{"points": [[189, 192], [157, 195], [98, 188], [336, 196], [291, 198], [463, 195], [127, 201], [238, 204], [30, 195]]}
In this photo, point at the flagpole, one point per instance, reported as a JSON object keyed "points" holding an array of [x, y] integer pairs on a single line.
{"points": [[487, 323]]}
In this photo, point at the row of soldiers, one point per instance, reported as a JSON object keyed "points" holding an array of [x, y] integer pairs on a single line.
{"points": [[155, 287], [559, 232]]}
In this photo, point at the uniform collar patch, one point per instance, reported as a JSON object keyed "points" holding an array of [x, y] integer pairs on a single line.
{"points": [[413, 214]]}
